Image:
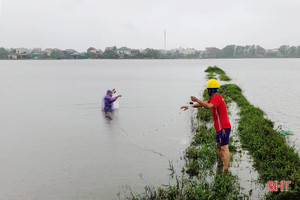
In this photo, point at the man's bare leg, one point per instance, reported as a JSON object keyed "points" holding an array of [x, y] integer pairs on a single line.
{"points": [[226, 156], [219, 150]]}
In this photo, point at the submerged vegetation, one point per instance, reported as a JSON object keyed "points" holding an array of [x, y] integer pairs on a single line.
{"points": [[213, 71], [202, 177]]}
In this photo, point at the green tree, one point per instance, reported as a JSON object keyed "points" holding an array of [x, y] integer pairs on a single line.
{"points": [[3, 53], [56, 54], [239, 52], [283, 50], [297, 54], [212, 52], [292, 52], [260, 52], [151, 53], [252, 51], [110, 53], [228, 51]]}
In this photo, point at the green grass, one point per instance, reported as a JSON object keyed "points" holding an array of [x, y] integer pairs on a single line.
{"points": [[211, 76], [213, 71]]}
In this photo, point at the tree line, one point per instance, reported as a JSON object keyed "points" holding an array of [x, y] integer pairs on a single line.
{"points": [[229, 51]]}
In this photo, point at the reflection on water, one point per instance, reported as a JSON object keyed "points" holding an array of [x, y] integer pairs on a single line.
{"points": [[109, 116], [242, 163]]}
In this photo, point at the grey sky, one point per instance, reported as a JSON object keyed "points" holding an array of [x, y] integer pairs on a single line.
{"points": [[80, 24]]}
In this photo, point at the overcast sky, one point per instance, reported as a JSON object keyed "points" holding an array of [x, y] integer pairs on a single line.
{"points": [[79, 24]]}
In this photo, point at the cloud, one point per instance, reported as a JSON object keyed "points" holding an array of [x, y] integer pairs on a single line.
{"points": [[139, 24]]}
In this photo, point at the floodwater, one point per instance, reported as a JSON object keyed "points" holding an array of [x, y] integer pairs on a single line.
{"points": [[57, 144]]}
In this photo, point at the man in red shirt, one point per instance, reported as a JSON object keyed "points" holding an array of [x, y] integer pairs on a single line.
{"points": [[221, 121]]}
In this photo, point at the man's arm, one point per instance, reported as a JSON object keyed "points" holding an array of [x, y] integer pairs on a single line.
{"points": [[112, 99], [197, 105], [205, 104]]}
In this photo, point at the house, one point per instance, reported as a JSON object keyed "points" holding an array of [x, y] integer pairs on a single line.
{"points": [[12, 51], [134, 52], [37, 50], [48, 51], [37, 53], [69, 54], [82, 55], [75, 55], [22, 53], [124, 51], [70, 51], [189, 51], [56, 49], [111, 48], [92, 50], [94, 53]]}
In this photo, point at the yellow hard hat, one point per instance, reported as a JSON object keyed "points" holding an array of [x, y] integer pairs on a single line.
{"points": [[212, 83]]}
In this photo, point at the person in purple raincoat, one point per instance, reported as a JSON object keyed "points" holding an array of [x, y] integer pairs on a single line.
{"points": [[108, 101]]}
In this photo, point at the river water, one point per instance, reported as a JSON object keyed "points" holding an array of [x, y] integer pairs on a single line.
{"points": [[56, 143]]}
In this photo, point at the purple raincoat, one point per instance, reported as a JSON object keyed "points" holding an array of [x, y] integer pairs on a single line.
{"points": [[108, 103]]}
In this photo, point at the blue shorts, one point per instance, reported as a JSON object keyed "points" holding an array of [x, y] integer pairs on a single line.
{"points": [[222, 136]]}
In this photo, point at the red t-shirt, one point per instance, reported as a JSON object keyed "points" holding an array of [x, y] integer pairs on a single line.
{"points": [[219, 112]]}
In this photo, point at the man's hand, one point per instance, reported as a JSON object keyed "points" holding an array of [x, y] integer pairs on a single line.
{"points": [[184, 108], [119, 96], [194, 98]]}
